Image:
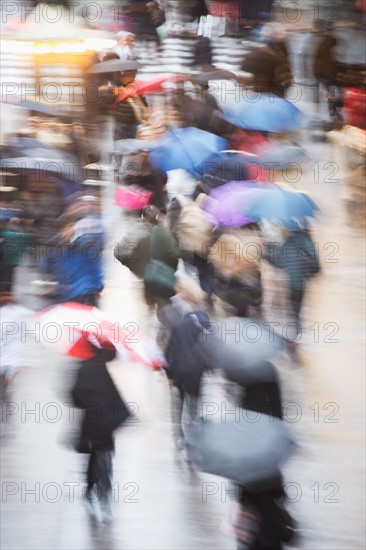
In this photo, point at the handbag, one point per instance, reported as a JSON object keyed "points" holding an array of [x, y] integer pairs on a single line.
{"points": [[132, 198], [159, 278]]}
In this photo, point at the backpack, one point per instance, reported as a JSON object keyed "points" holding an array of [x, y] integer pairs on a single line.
{"points": [[193, 229]]}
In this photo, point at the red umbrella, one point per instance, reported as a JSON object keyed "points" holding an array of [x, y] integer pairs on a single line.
{"points": [[71, 327], [141, 87]]}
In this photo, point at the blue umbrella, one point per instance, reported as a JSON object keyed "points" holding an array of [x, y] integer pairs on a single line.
{"points": [[185, 148], [225, 166], [282, 207], [263, 112]]}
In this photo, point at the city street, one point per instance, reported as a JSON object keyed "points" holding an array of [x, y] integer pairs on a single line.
{"points": [[159, 500]]}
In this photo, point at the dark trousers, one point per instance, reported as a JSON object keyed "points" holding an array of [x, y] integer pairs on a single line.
{"points": [[99, 474], [296, 301]]}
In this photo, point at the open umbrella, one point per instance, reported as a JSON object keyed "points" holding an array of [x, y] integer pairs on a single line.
{"points": [[69, 328], [228, 202], [67, 174], [143, 87], [48, 109], [245, 451], [203, 74], [225, 166], [282, 207], [114, 65], [264, 112], [241, 348], [185, 148]]}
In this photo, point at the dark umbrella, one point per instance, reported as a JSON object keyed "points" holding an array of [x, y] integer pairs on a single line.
{"points": [[48, 109], [243, 450], [202, 74], [241, 347], [227, 166], [66, 175], [114, 65]]}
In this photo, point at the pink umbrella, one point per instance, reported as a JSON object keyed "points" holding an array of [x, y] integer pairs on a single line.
{"points": [[70, 328], [227, 204]]}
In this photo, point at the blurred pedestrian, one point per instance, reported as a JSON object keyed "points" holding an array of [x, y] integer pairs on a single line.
{"points": [[144, 175], [149, 240], [184, 318], [161, 247], [77, 264], [129, 112], [95, 392], [326, 67], [263, 502], [298, 257], [270, 65], [13, 242]]}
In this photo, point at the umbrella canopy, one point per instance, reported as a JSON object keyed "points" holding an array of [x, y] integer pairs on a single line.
{"points": [[228, 202], [38, 107], [65, 172], [69, 328], [225, 166], [241, 348], [143, 87], [244, 451], [282, 207], [185, 148], [202, 74], [114, 65], [267, 113]]}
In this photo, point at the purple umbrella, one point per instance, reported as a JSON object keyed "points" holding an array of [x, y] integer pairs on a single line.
{"points": [[227, 204]]}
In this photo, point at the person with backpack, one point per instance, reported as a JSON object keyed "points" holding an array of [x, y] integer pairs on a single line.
{"points": [[153, 258], [298, 257], [194, 234]]}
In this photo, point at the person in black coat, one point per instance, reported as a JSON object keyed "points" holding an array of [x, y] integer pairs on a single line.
{"points": [[265, 499], [95, 392]]}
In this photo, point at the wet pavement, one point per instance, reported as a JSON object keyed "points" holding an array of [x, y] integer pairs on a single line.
{"points": [[159, 500]]}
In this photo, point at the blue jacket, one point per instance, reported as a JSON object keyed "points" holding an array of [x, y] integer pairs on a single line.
{"points": [[78, 266]]}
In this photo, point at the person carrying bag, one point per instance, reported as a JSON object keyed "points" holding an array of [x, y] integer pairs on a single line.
{"points": [[159, 277], [159, 274]]}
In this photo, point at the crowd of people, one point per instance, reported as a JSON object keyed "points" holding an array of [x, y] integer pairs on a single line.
{"points": [[193, 270]]}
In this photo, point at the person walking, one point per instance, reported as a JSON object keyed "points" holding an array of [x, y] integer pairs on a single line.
{"points": [[262, 504], [173, 338], [95, 392], [77, 266], [298, 257]]}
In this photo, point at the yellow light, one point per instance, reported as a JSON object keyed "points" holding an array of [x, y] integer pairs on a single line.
{"points": [[62, 46]]}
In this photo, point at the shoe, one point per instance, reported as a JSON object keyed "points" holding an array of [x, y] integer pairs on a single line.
{"points": [[107, 516], [91, 500]]}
